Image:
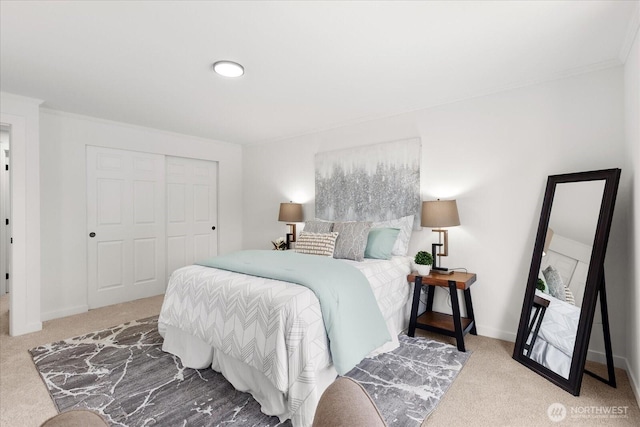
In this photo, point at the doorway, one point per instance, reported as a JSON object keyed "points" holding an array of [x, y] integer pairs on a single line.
{"points": [[5, 211]]}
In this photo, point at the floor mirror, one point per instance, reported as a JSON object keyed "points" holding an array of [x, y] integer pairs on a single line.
{"points": [[567, 278]]}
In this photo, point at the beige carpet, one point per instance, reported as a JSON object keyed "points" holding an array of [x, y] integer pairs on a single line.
{"points": [[491, 390]]}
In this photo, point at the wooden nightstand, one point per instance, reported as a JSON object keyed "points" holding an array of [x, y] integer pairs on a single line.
{"points": [[451, 325], [540, 305]]}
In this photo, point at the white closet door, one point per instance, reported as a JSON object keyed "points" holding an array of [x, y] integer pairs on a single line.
{"points": [[126, 225], [192, 211]]}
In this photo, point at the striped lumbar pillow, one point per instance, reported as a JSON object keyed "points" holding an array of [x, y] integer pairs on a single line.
{"points": [[316, 243]]}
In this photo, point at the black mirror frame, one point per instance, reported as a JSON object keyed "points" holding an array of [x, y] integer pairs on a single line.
{"points": [[594, 283]]}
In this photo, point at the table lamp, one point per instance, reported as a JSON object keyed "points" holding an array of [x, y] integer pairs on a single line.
{"points": [[290, 213], [547, 242], [438, 214]]}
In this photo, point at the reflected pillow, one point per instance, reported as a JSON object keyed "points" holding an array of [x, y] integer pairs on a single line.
{"points": [[554, 282], [542, 283], [316, 243], [405, 224], [569, 296], [380, 242], [352, 239]]}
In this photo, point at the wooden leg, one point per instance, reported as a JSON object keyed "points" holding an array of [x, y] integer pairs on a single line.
{"points": [[604, 311], [537, 317], [414, 307], [457, 322], [431, 290], [469, 305]]}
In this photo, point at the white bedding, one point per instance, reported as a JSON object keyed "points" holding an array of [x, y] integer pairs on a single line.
{"points": [[556, 339], [267, 336]]}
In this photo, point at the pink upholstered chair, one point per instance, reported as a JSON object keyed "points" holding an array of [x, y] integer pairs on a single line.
{"points": [[78, 418], [345, 403]]}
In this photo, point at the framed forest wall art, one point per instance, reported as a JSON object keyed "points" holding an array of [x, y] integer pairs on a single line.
{"points": [[369, 183]]}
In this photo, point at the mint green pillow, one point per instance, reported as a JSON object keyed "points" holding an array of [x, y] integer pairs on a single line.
{"points": [[380, 242]]}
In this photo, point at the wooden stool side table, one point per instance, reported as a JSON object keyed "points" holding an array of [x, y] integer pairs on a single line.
{"points": [[451, 325]]}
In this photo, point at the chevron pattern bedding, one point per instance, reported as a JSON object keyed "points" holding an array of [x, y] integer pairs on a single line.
{"points": [[560, 324], [273, 326]]}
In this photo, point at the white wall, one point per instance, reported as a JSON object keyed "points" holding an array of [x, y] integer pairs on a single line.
{"points": [[632, 136], [493, 154], [21, 114], [64, 138]]}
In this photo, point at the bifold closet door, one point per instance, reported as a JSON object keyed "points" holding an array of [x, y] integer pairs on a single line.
{"points": [[192, 211], [126, 225]]}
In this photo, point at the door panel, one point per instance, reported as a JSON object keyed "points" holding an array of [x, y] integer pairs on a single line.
{"points": [[126, 211], [201, 247], [110, 195], [201, 203], [145, 202], [176, 253], [109, 268], [191, 211], [176, 203], [145, 253]]}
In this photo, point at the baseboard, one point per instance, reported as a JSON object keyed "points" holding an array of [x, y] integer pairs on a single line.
{"points": [[595, 356], [600, 357], [633, 381], [25, 329], [50, 315], [487, 331]]}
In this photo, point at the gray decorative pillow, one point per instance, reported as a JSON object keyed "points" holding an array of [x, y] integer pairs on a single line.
{"points": [[554, 282], [352, 239], [405, 224], [317, 226]]}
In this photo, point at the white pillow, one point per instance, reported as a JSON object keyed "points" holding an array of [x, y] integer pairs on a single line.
{"points": [[405, 224], [569, 296], [316, 243]]}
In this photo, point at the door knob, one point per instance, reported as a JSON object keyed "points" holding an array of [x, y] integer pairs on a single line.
{"points": [[213, 228], [92, 234]]}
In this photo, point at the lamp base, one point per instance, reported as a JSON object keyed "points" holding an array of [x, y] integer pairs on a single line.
{"points": [[441, 270], [289, 240]]}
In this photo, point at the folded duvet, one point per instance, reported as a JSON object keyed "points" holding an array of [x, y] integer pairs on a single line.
{"points": [[350, 312]]}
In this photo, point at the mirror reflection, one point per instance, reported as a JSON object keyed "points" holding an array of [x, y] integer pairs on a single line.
{"points": [[555, 312]]}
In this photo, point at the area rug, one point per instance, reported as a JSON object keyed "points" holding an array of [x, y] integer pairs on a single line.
{"points": [[123, 374]]}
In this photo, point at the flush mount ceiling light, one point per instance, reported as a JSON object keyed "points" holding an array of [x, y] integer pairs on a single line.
{"points": [[228, 68]]}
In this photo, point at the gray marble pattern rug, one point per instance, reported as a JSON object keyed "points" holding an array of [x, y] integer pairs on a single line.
{"points": [[123, 374]]}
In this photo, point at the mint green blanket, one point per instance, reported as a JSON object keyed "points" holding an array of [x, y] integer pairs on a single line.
{"points": [[351, 314]]}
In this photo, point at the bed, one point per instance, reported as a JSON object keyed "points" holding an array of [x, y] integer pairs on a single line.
{"points": [[564, 270], [267, 336], [553, 346]]}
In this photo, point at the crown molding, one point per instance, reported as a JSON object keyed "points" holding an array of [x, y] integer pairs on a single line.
{"points": [[109, 122], [6, 96], [551, 77]]}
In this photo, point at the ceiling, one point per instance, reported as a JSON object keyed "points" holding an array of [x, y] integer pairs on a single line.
{"points": [[310, 66]]}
